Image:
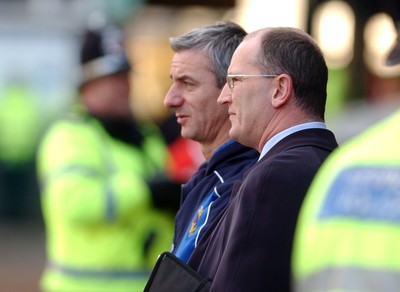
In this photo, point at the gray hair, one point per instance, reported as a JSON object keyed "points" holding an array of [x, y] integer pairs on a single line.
{"points": [[218, 41]]}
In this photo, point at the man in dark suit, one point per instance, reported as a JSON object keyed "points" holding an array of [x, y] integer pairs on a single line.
{"points": [[276, 93]]}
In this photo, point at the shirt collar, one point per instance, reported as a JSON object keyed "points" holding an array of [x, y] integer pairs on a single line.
{"points": [[278, 137]]}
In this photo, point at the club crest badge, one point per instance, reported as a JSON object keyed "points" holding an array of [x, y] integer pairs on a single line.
{"points": [[193, 226]]}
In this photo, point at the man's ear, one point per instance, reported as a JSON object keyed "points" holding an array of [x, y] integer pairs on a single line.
{"points": [[283, 90]]}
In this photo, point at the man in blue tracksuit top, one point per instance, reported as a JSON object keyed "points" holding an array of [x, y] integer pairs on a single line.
{"points": [[207, 193], [198, 73]]}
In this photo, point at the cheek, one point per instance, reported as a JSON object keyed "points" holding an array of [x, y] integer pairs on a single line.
{"points": [[208, 105], [247, 113], [220, 111], [121, 91]]}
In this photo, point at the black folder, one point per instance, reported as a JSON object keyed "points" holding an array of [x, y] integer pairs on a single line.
{"points": [[170, 274]]}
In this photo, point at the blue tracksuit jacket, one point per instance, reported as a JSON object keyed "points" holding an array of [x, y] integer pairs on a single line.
{"points": [[207, 193]]}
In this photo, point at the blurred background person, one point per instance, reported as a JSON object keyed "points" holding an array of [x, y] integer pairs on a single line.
{"points": [[20, 129], [102, 232], [392, 7], [348, 230]]}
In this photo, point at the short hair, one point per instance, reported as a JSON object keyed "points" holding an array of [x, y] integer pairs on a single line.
{"points": [[218, 41], [294, 52]]}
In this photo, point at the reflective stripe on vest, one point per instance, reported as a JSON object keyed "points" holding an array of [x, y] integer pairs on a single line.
{"points": [[99, 273], [111, 212], [82, 169], [350, 279]]}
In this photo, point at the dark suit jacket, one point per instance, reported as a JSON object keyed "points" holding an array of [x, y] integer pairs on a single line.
{"points": [[249, 246]]}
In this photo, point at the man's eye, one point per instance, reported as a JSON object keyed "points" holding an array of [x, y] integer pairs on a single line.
{"points": [[188, 83], [236, 79]]}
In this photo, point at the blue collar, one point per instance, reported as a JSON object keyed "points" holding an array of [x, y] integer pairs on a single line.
{"points": [[278, 137], [226, 144]]}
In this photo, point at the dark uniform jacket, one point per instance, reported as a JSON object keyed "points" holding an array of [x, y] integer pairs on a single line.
{"points": [[249, 246]]}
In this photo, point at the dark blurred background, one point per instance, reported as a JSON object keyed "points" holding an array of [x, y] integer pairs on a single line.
{"points": [[39, 75]]}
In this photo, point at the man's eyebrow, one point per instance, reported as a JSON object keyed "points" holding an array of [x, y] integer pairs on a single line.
{"points": [[183, 77]]}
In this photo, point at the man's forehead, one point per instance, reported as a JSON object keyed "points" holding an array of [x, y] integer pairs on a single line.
{"points": [[190, 60], [245, 54]]}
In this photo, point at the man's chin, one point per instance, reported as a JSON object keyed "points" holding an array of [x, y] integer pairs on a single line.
{"points": [[186, 134], [232, 134]]}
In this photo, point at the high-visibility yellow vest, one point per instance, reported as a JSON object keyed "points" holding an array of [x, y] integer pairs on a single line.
{"points": [[102, 233], [348, 233]]}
